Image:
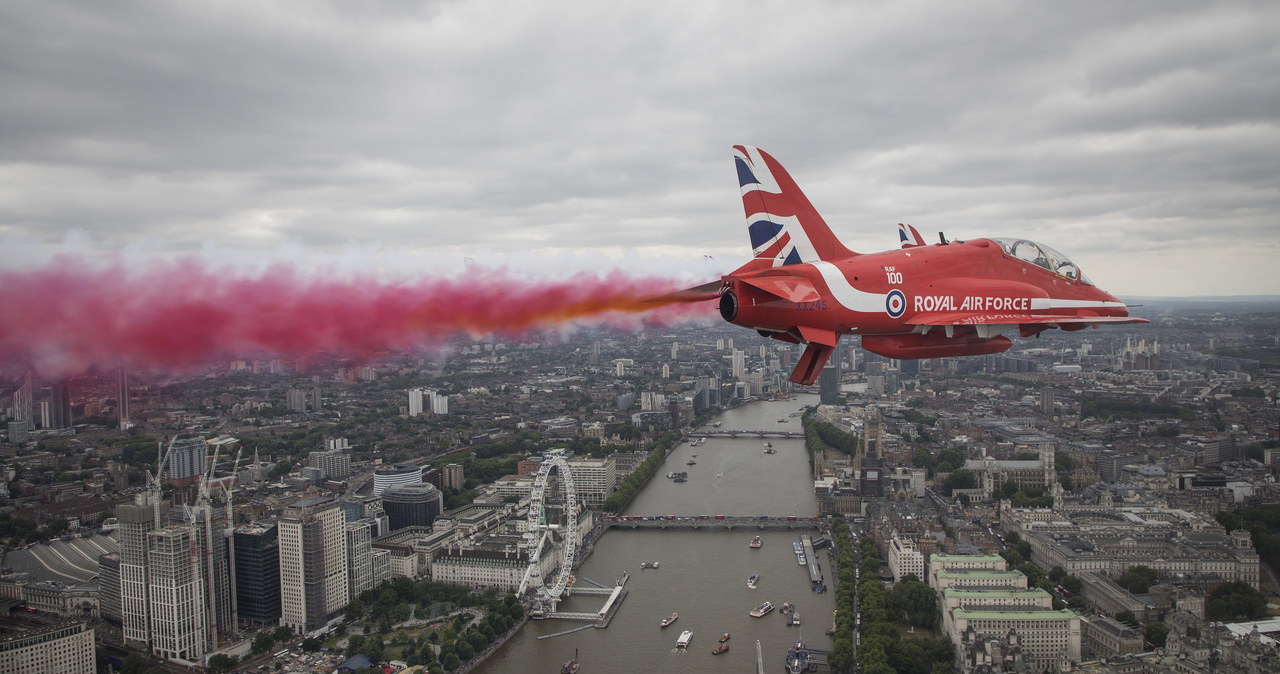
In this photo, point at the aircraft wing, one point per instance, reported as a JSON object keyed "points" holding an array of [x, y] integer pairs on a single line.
{"points": [[970, 318], [793, 288]]}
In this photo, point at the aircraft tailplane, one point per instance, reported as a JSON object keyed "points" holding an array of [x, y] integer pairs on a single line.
{"points": [[784, 227]]}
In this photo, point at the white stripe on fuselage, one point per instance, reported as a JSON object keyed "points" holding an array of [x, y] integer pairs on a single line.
{"points": [[1054, 303], [848, 296]]}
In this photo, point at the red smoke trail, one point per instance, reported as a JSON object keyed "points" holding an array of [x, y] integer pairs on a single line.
{"points": [[65, 319]]}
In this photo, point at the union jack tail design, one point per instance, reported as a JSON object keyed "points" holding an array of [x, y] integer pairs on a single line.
{"points": [[909, 237], [784, 227]]}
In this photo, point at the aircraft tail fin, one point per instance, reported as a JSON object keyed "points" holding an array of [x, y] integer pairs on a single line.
{"points": [[909, 237], [784, 227]]}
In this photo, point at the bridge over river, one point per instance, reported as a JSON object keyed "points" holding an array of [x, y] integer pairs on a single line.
{"points": [[711, 522], [745, 434]]}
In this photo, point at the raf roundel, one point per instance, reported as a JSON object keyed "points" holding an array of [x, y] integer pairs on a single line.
{"points": [[895, 303]]}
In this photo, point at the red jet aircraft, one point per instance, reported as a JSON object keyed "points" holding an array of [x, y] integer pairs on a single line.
{"points": [[955, 298]]}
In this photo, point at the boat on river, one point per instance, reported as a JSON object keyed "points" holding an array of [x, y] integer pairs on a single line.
{"points": [[571, 665], [751, 582], [797, 658], [720, 649], [669, 619], [685, 637], [762, 610], [756, 542], [724, 637]]}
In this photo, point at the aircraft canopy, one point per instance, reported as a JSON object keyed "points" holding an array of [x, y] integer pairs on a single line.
{"points": [[1043, 256]]}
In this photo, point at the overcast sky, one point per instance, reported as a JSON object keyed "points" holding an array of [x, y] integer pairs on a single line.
{"points": [[1139, 138]]}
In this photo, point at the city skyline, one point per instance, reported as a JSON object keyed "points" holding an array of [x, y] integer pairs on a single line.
{"points": [[1140, 140]]}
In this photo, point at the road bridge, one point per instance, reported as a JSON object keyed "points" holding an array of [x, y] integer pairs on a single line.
{"points": [[745, 434]]}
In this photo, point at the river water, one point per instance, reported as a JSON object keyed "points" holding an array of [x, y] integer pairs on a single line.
{"points": [[702, 574]]}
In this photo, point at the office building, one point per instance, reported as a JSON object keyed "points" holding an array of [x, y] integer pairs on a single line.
{"points": [[829, 382], [109, 587], [313, 563], [65, 649], [594, 479], [905, 558], [412, 505], [385, 477], [257, 554]]}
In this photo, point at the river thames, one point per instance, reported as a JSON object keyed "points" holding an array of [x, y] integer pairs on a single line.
{"points": [[702, 574]]}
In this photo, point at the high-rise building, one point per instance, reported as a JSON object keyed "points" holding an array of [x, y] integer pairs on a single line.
{"points": [[439, 402], [136, 521], [739, 366], [412, 505], [186, 459], [452, 476], [415, 402], [360, 556], [60, 404], [313, 563], [122, 398], [385, 477], [829, 382], [257, 554], [1046, 400], [109, 587], [23, 403], [178, 616], [335, 464]]}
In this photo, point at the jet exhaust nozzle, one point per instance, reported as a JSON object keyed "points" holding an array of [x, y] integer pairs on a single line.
{"points": [[729, 305]]}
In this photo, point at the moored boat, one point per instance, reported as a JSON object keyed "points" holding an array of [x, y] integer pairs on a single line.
{"points": [[762, 610], [685, 637], [724, 637], [720, 649], [668, 620], [797, 658], [570, 666], [786, 608], [794, 619]]}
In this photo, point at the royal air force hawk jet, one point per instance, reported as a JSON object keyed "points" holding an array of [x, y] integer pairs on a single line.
{"points": [[957, 298]]}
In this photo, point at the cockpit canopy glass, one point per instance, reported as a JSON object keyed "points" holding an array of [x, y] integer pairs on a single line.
{"points": [[1043, 256]]}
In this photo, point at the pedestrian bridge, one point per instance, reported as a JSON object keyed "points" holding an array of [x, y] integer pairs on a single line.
{"points": [[712, 522]]}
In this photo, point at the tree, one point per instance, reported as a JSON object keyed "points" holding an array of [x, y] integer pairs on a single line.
{"points": [[1138, 579], [311, 644], [283, 633], [222, 662], [263, 641], [450, 662], [1057, 573], [1235, 601], [1128, 618], [1156, 633]]}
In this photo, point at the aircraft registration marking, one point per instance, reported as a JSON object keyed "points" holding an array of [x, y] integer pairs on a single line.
{"points": [[816, 305], [970, 303]]}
